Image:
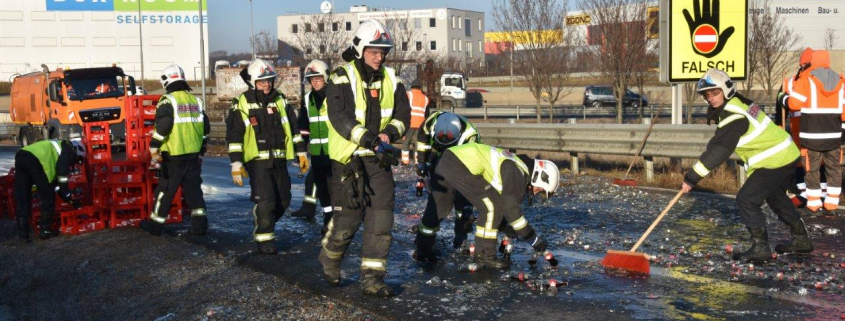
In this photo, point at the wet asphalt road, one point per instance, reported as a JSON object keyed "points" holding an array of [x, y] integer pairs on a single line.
{"points": [[692, 277]]}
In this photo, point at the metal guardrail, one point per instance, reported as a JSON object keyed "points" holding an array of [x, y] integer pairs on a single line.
{"points": [[565, 111]]}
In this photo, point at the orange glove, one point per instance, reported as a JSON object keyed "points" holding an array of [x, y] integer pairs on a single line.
{"points": [[303, 164]]}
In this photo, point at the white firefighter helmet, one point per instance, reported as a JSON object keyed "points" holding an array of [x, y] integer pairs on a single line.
{"points": [[260, 69], [171, 74], [371, 33], [315, 68], [715, 78], [545, 176], [447, 130]]}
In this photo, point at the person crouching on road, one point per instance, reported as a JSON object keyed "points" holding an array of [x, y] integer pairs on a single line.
{"points": [[179, 138], [769, 155], [259, 131]]}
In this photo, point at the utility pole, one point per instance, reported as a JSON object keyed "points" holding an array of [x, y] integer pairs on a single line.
{"points": [[251, 31], [141, 43], [202, 53]]}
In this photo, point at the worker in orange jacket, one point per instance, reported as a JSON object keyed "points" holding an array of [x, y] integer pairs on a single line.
{"points": [[818, 97], [419, 111], [800, 199]]}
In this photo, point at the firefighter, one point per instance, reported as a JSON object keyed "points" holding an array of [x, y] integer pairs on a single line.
{"points": [[440, 131], [313, 126], [769, 155], [494, 181], [368, 109], [259, 131], [44, 165], [419, 110], [818, 97], [782, 104], [179, 139]]}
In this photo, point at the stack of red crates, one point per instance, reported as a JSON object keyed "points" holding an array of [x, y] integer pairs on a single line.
{"points": [[7, 194]]}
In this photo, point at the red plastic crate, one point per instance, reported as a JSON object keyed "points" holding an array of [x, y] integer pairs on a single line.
{"points": [[84, 220], [130, 194], [127, 216], [126, 172]]}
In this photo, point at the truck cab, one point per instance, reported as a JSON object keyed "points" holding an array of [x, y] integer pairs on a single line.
{"points": [[453, 89], [56, 104]]}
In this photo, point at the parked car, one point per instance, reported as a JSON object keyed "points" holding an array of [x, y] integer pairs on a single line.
{"points": [[597, 96]]}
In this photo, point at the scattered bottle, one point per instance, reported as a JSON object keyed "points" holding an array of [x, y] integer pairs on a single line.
{"points": [[420, 185]]}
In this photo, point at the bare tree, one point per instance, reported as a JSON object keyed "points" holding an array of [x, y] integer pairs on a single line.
{"points": [[319, 37], [770, 45], [266, 45], [830, 39], [644, 69], [690, 94], [617, 40], [408, 41], [544, 60]]}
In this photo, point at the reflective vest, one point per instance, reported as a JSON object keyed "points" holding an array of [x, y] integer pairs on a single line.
{"points": [[47, 152], [318, 119], [794, 116], [764, 145], [341, 149], [250, 147], [486, 161], [469, 135], [419, 102], [821, 112], [188, 127]]}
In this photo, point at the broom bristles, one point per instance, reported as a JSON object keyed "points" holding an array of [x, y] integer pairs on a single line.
{"points": [[636, 262]]}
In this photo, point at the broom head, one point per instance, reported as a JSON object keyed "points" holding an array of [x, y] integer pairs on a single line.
{"points": [[628, 261], [624, 182]]}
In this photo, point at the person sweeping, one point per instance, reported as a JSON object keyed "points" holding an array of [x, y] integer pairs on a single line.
{"points": [[769, 157]]}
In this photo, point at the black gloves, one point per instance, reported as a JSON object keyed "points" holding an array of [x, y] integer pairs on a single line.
{"points": [[387, 155], [354, 183]]}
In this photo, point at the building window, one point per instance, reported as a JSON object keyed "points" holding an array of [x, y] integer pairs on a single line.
{"points": [[460, 46], [404, 46], [294, 28], [479, 25], [433, 45], [321, 27], [480, 47], [349, 26], [307, 27], [460, 23], [432, 22], [454, 24], [454, 45], [335, 26], [469, 48], [419, 45], [417, 23], [468, 30], [322, 49], [308, 51]]}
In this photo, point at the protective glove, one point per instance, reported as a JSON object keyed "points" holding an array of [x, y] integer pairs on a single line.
{"points": [[422, 169], [238, 173], [303, 164], [385, 153], [350, 191], [203, 149], [155, 157]]}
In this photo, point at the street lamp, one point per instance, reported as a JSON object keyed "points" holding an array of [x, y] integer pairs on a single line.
{"points": [[251, 31], [141, 43]]}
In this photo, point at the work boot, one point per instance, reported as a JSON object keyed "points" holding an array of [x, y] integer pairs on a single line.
{"points": [[374, 286], [800, 239], [331, 269], [306, 211], [267, 247], [152, 227], [492, 262], [759, 251], [199, 225], [23, 229], [45, 228]]}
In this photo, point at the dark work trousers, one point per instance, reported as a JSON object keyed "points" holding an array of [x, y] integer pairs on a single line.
{"points": [[270, 185], [493, 207], [317, 188], [768, 185], [176, 171], [410, 143], [833, 174], [432, 216], [28, 172], [377, 216]]}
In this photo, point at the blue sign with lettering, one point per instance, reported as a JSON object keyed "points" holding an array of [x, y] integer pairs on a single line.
{"points": [[80, 5]]}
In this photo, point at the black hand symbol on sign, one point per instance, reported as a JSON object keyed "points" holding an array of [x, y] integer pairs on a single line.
{"points": [[709, 17]]}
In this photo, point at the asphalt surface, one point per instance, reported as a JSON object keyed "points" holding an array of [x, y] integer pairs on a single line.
{"points": [[692, 276]]}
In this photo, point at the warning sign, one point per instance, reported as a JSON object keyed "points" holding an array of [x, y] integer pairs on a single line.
{"points": [[706, 34]]}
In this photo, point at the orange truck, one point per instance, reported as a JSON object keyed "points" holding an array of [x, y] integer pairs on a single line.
{"points": [[52, 104]]}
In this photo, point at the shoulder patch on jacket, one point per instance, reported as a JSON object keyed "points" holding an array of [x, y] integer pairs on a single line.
{"points": [[753, 110]]}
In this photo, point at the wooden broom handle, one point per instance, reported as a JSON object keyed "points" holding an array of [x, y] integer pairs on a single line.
{"points": [[642, 145], [666, 210]]}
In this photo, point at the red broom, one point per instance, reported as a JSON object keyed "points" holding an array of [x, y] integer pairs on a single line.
{"points": [[631, 260]]}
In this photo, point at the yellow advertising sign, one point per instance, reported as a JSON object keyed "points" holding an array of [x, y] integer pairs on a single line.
{"points": [[578, 20], [653, 22], [706, 34]]}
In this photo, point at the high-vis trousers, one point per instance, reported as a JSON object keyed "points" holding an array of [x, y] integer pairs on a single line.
{"points": [[270, 185], [410, 142], [184, 171], [492, 206], [833, 172], [767, 185], [377, 216]]}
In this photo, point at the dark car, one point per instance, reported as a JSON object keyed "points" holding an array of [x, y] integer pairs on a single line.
{"points": [[597, 96]]}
